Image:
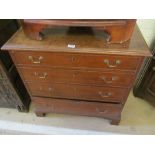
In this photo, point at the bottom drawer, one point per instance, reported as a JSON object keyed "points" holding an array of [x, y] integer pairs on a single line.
{"points": [[106, 110], [80, 92]]}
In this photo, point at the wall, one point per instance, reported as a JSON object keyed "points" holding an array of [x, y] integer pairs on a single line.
{"points": [[147, 27]]}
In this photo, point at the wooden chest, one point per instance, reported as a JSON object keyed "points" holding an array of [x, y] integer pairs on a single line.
{"points": [[78, 73], [110, 30]]}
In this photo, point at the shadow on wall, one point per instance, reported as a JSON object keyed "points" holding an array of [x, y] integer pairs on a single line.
{"points": [[152, 44]]}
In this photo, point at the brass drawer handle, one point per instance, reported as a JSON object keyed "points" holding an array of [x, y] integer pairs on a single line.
{"points": [[101, 111], [114, 78], [117, 62], [35, 61], [50, 89], [41, 76], [75, 74], [105, 94]]}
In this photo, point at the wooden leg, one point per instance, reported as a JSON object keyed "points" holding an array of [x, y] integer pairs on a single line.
{"points": [[40, 114], [34, 34], [115, 121]]}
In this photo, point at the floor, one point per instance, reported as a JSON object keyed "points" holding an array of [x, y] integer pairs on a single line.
{"points": [[138, 117]]}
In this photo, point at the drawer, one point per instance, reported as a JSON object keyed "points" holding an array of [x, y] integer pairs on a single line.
{"points": [[48, 105], [77, 92], [77, 60], [77, 76]]}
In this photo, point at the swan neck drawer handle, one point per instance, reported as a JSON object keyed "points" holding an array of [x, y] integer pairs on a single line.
{"points": [[117, 62], [41, 76], [35, 61], [114, 78], [105, 94], [101, 111]]}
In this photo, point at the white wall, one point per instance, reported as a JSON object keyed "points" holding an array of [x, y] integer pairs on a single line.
{"points": [[147, 27]]}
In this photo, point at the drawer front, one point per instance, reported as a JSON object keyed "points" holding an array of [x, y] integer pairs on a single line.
{"points": [[77, 92], [76, 107], [77, 76], [76, 60]]}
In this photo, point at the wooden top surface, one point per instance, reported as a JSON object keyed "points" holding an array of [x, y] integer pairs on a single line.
{"points": [[77, 22], [59, 39]]}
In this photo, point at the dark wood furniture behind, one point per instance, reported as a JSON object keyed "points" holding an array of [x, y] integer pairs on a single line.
{"points": [[13, 93], [70, 72], [110, 30], [145, 84]]}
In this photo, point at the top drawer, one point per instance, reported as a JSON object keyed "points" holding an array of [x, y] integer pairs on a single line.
{"points": [[61, 59]]}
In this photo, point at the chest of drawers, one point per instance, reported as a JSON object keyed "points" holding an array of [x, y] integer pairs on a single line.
{"points": [[93, 78]]}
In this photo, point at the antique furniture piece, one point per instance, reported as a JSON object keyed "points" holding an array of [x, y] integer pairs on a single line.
{"points": [[145, 84], [112, 31], [12, 90], [76, 72]]}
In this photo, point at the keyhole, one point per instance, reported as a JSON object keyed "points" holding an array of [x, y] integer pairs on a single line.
{"points": [[50, 89], [40, 88], [73, 59], [75, 74]]}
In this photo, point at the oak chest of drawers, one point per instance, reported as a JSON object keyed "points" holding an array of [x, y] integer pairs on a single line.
{"points": [[78, 73]]}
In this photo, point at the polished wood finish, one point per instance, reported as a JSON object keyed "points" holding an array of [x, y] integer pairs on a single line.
{"points": [[77, 92], [80, 80], [95, 109], [74, 76], [112, 31], [89, 43], [71, 60]]}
